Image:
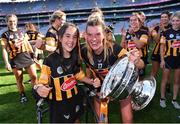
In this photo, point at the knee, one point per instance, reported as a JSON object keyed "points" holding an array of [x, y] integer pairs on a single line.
{"points": [[19, 78]]}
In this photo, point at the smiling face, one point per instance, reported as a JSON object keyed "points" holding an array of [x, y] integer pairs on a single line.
{"points": [[94, 37], [164, 19], [134, 22], [175, 23], [12, 23], [69, 39]]}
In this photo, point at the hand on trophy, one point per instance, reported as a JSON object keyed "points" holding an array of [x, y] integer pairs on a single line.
{"points": [[96, 83], [134, 55]]}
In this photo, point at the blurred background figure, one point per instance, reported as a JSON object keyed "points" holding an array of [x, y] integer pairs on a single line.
{"points": [[57, 19], [34, 34], [170, 59]]}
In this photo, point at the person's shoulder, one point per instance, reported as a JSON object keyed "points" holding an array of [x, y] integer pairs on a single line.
{"points": [[5, 34], [51, 30], [168, 31], [145, 28], [143, 31]]}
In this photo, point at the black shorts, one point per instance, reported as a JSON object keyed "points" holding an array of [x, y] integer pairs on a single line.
{"points": [[22, 60], [172, 62], [66, 111], [156, 57]]}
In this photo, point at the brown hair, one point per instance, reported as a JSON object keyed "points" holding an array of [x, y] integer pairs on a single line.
{"points": [[167, 13], [31, 27], [75, 53], [57, 14], [96, 12], [9, 16]]}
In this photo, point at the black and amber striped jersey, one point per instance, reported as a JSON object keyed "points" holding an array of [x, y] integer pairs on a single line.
{"points": [[15, 42], [62, 78], [101, 67], [155, 32], [145, 28], [52, 37], [171, 39], [34, 35], [142, 36]]}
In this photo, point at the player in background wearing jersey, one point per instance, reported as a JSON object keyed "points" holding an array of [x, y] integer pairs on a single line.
{"points": [[156, 32], [170, 59], [34, 34], [50, 43], [15, 43]]}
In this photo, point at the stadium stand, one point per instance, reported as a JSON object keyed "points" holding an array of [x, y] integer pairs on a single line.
{"points": [[116, 12]]}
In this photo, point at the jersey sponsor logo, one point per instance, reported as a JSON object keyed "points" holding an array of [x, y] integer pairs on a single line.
{"points": [[176, 44], [131, 45], [18, 39], [11, 36], [68, 84]]}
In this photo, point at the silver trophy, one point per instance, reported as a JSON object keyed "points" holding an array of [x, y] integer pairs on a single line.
{"points": [[123, 80]]}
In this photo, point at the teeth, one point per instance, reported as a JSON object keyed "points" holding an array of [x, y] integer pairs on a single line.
{"points": [[93, 43]]}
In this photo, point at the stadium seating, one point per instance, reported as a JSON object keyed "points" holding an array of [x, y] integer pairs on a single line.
{"points": [[115, 11]]}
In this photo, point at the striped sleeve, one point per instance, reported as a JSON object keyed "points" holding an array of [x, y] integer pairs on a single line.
{"points": [[163, 40], [144, 38], [4, 39], [122, 52], [50, 39], [80, 75], [45, 75], [3, 42]]}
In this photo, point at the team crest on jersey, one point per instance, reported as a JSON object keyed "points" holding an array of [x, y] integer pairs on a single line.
{"points": [[128, 36], [59, 70], [68, 84], [171, 35], [99, 65]]}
